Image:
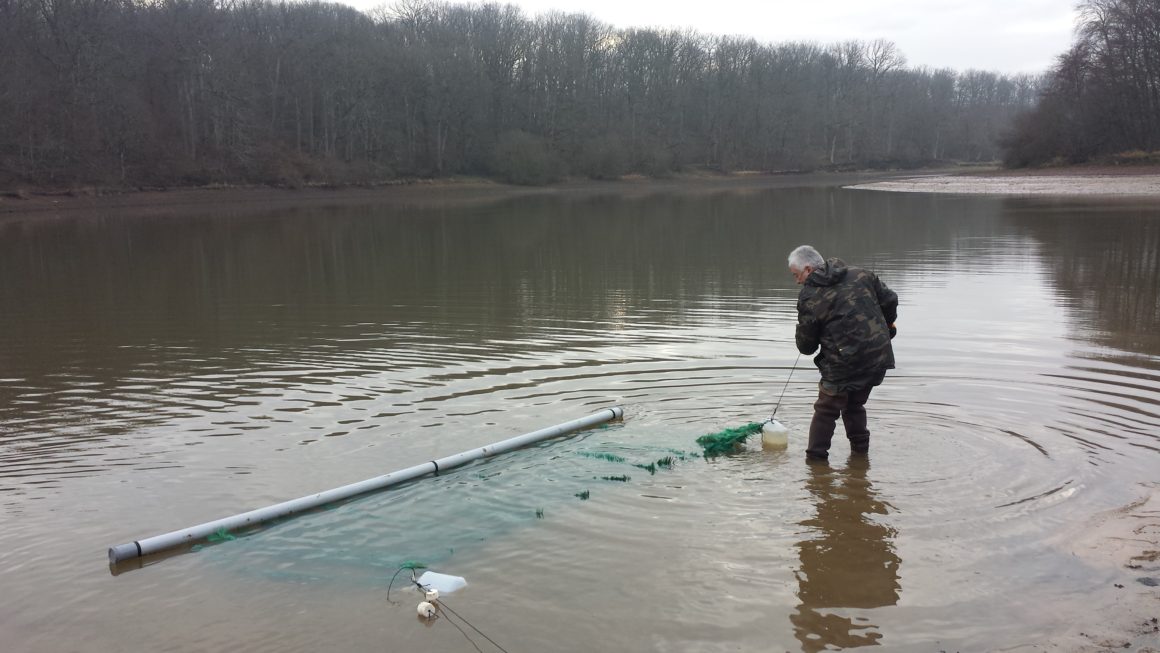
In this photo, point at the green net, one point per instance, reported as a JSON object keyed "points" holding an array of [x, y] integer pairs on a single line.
{"points": [[728, 440], [601, 455], [221, 535], [665, 462]]}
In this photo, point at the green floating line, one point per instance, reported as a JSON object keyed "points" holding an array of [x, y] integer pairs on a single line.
{"points": [[412, 564], [661, 463], [583, 495], [727, 441], [600, 455], [619, 479], [651, 468]]}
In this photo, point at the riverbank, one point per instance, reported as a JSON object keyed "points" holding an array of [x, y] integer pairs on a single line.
{"points": [[1117, 181], [169, 200], [419, 191]]}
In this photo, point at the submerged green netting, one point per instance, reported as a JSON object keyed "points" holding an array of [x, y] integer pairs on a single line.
{"points": [[221, 535], [665, 462], [727, 440]]}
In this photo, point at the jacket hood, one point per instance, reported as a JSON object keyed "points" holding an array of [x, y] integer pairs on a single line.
{"points": [[830, 275]]}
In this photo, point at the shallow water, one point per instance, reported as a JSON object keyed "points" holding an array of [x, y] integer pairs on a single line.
{"points": [[156, 373]]}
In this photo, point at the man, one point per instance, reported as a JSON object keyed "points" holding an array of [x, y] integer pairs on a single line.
{"points": [[850, 314]]}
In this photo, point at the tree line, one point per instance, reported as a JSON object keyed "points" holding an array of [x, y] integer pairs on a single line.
{"points": [[180, 92], [1103, 95]]}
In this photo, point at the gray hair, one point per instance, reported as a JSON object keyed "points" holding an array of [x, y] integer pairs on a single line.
{"points": [[806, 255]]}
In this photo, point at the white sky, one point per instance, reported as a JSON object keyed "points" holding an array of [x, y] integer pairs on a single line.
{"points": [[1009, 36]]}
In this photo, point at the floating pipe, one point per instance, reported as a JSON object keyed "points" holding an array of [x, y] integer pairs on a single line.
{"points": [[159, 543]]}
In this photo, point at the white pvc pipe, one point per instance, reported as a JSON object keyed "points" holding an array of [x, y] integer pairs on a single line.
{"points": [[167, 541]]}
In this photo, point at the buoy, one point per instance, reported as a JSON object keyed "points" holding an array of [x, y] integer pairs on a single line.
{"points": [[426, 610], [774, 435]]}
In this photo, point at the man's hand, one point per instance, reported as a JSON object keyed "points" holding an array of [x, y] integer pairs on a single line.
{"points": [[893, 331]]}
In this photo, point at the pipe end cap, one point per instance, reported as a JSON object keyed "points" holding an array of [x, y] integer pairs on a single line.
{"points": [[123, 552]]}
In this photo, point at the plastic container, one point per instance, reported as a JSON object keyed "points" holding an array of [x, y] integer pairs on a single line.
{"points": [[443, 583], [774, 435]]}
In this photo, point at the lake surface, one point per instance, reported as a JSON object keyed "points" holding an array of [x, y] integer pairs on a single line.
{"points": [[159, 372]]}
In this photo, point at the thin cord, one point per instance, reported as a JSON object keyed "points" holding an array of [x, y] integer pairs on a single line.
{"points": [[783, 388], [397, 572], [461, 631], [442, 604]]}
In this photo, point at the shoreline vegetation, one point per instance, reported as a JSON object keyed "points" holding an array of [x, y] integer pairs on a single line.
{"points": [[191, 93]]}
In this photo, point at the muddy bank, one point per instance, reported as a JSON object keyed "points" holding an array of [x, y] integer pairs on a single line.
{"points": [[1114, 181], [443, 191], [235, 198], [1125, 615], [1133, 181]]}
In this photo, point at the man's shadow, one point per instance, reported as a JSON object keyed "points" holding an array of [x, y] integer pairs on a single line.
{"points": [[848, 565]]}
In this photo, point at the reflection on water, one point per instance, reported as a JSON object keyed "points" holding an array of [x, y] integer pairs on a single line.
{"points": [[118, 325], [161, 372], [1106, 261], [848, 562]]}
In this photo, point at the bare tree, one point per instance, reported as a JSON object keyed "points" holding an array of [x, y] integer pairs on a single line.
{"points": [[1103, 96], [172, 92]]}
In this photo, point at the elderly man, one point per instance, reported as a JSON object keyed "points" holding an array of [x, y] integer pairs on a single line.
{"points": [[850, 314]]}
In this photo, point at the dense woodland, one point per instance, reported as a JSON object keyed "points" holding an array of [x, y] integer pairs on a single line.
{"points": [[1103, 96], [178, 92]]}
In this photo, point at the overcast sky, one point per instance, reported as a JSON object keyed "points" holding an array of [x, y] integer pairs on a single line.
{"points": [[1009, 36]]}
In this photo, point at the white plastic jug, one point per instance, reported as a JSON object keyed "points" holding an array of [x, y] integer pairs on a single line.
{"points": [[774, 435], [442, 582]]}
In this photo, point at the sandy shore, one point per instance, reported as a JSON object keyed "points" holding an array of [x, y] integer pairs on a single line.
{"points": [[1125, 616], [1102, 181]]}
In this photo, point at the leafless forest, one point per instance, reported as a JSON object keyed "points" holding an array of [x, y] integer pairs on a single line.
{"points": [[183, 92], [1103, 97]]}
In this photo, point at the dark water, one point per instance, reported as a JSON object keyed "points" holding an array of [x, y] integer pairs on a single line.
{"points": [[160, 372]]}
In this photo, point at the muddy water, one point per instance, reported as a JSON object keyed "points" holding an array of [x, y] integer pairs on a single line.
{"points": [[157, 373]]}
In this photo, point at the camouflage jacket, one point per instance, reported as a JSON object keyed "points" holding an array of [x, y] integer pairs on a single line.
{"points": [[848, 312]]}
